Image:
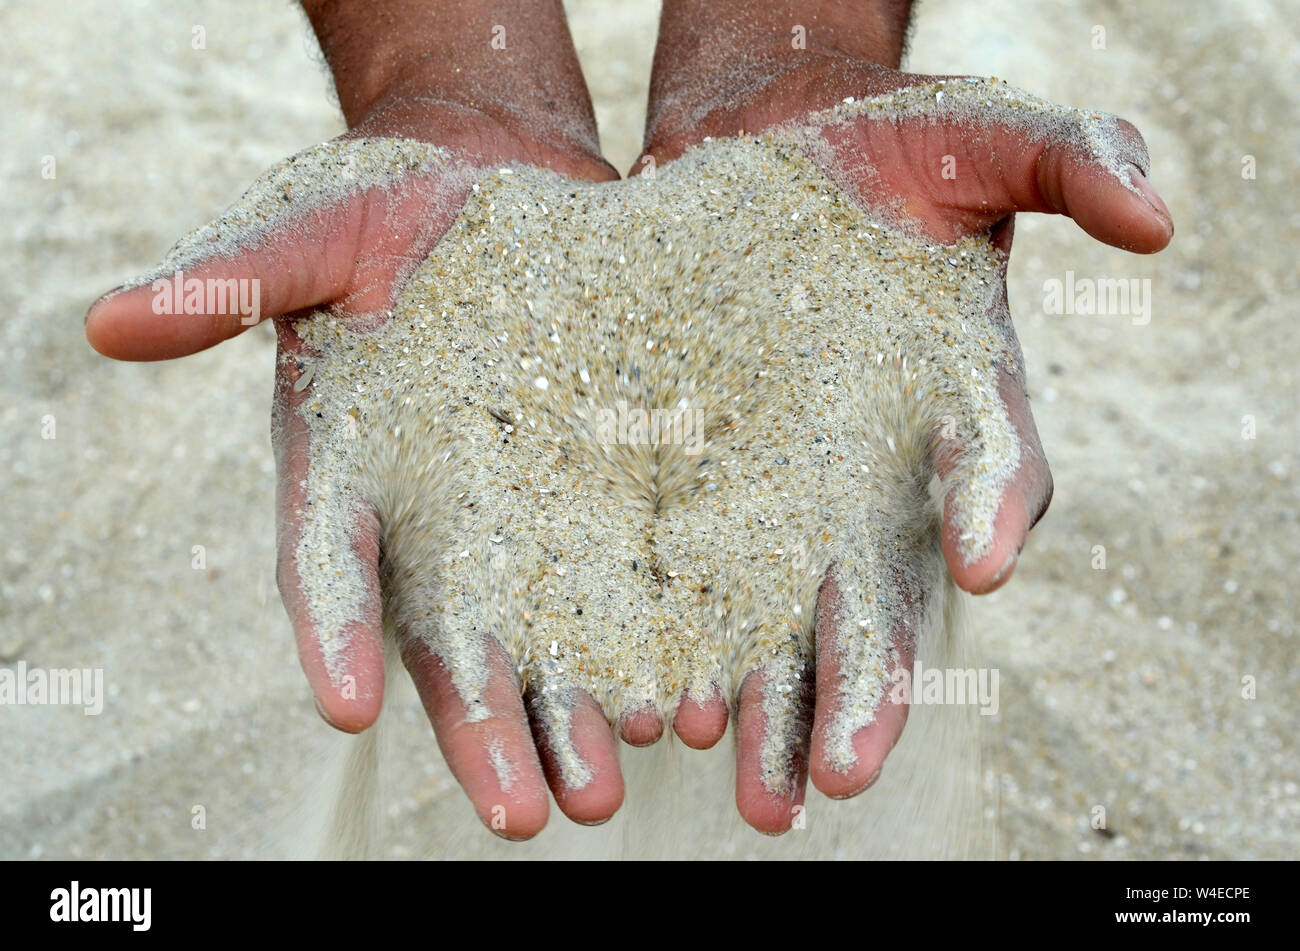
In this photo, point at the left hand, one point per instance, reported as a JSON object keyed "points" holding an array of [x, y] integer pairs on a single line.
{"points": [[951, 175]]}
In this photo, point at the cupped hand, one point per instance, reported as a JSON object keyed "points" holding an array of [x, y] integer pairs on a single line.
{"points": [[345, 248], [944, 158]]}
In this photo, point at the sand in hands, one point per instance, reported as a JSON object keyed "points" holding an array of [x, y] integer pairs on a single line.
{"points": [[625, 429]]}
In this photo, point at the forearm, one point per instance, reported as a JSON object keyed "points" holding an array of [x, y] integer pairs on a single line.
{"points": [[508, 61], [713, 51], [727, 30]]}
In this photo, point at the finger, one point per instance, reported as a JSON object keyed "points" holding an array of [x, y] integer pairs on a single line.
{"points": [[701, 723], [546, 613], [337, 626], [977, 151], [291, 242], [641, 727], [1119, 206], [578, 754], [852, 732], [285, 272], [976, 565], [997, 481], [768, 787], [489, 750]]}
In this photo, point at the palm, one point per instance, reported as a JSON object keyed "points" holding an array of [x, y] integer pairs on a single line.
{"points": [[347, 251], [945, 158], [330, 233]]}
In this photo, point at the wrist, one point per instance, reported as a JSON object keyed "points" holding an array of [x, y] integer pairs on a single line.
{"points": [[715, 58], [481, 134], [498, 81], [725, 31]]}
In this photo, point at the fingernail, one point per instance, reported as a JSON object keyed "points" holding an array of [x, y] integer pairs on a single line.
{"points": [[104, 296], [1006, 568], [1143, 185], [871, 781], [503, 834], [323, 715]]}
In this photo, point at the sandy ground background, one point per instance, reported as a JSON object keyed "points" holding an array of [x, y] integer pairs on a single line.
{"points": [[1121, 687]]}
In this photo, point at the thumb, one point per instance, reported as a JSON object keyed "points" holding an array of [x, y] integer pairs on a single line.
{"points": [[1109, 197], [968, 153], [331, 224], [192, 306]]}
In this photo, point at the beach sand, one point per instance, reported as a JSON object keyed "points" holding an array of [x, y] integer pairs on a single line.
{"points": [[1122, 687]]}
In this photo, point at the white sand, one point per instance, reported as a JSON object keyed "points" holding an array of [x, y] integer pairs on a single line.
{"points": [[682, 301], [1121, 687]]}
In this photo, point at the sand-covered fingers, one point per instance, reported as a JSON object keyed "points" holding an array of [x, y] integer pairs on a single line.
{"points": [[985, 446], [327, 555], [469, 576], [701, 718], [867, 625], [489, 749], [748, 582], [562, 649], [772, 748], [992, 497], [483, 582], [564, 592], [773, 713], [577, 749]]}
